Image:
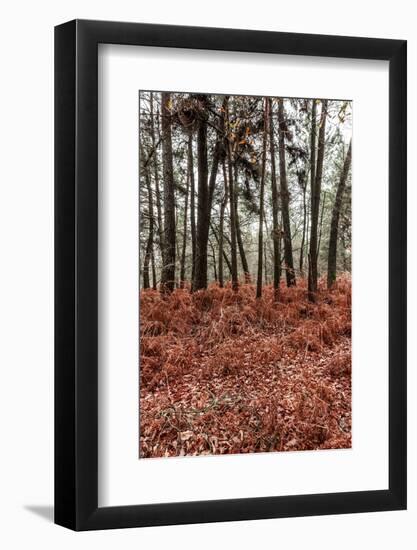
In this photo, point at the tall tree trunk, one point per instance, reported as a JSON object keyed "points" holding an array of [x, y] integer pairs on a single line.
{"points": [[265, 266], [280, 232], [213, 255], [323, 204], [233, 250], [153, 270], [184, 234], [276, 232], [242, 253], [315, 199], [312, 187], [148, 253], [206, 187], [156, 179], [192, 203], [303, 239], [221, 228], [344, 258], [200, 273], [168, 268], [177, 255], [285, 199], [261, 205], [225, 258], [307, 241], [334, 225], [149, 243], [218, 149]]}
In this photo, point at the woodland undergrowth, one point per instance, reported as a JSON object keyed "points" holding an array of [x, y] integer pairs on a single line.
{"points": [[222, 372]]}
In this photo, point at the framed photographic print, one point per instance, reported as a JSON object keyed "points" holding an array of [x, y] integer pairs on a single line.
{"points": [[230, 253]]}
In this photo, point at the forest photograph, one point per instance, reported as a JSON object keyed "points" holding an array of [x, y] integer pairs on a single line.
{"points": [[245, 248]]}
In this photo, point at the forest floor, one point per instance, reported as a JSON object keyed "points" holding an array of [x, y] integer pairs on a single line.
{"points": [[222, 372]]}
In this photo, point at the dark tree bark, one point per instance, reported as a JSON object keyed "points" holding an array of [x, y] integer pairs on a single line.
{"points": [[303, 238], [148, 253], [214, 169], [315, 198], [154, 283], [168, 268], [205, 196], [242, 254], [323, 204], [280, 258], [149, 243], [261, 205], [200, 266], [285, 198], [184, 233], [265, 265], [233, 248], [192, 204], [334, 225], [312, 187], [344, 257], [221, 228], [307, 240], [177, 255], [276, 232]]}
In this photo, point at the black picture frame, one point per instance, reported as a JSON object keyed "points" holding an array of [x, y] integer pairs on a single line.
{"points": [[76, 272]]}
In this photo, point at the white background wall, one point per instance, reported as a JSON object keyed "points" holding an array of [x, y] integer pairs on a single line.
{"points": [[26, 272]]}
